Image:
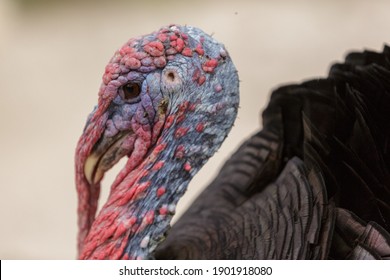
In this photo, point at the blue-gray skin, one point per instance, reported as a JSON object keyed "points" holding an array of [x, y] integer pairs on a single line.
{"points": [[177, 112]]}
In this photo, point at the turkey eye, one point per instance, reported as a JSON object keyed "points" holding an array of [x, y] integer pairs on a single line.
{"points": [[130, 91]]}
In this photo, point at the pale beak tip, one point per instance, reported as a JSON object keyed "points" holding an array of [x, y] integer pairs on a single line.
{"points": [[90, 171]]}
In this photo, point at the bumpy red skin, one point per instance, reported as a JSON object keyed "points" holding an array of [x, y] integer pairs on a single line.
{"points": [[105, 237]]}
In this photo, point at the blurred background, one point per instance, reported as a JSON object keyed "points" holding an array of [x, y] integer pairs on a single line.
{"points": [[53, 54]]}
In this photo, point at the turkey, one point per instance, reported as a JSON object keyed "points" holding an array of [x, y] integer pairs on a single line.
{"points": [[313, 183]]}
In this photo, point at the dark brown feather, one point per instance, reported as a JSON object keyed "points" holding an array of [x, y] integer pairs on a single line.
{"points": [[314, 183]]}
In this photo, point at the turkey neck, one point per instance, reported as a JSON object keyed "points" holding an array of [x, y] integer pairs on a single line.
{"points": [[140, 207]]}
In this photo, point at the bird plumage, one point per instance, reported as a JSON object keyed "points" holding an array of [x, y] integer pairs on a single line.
{"points": [[336, 131]]}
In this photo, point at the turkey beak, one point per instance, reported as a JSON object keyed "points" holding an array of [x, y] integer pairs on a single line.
{"points": [[91, 171], [106, 152]]}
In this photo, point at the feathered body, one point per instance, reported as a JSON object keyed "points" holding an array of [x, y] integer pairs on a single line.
{"points": [[312, 184]]}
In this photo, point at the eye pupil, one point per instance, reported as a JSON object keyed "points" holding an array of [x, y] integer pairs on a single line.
{"points": [[131, 91]]}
